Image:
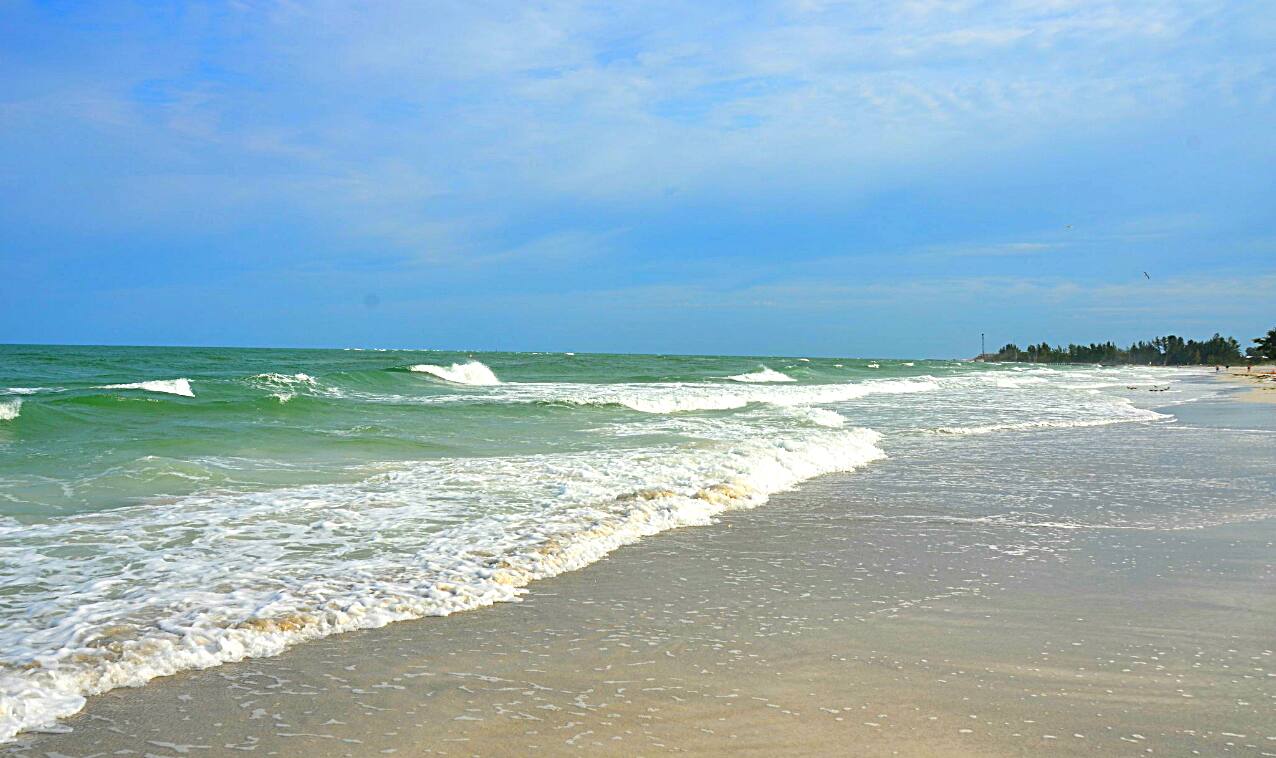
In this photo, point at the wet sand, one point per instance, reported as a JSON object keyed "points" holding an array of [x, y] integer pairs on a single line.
{"points": [[913, 608], [1261, 381]]}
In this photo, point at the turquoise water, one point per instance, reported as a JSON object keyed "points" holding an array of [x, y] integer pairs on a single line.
{"points": [[252, 422], [170, 508]]}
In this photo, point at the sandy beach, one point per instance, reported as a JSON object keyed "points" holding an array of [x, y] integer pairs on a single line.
{"points": [[904, 610], [1261, 380]]}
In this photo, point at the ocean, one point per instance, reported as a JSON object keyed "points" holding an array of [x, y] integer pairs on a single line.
{"points": [[164, 509]]}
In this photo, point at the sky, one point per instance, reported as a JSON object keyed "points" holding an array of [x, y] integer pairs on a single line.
{"points": [[807, 177]]}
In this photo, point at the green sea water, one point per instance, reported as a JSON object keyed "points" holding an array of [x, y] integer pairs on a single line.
{"points": [[252, 422]]}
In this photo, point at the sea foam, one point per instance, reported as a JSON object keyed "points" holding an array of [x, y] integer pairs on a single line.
{"points": [[166, 386], [278, 567], [689, 397], [1136, 414], [762, 376], [286, 379], [473, 373], [284, 386], [9, 409]]}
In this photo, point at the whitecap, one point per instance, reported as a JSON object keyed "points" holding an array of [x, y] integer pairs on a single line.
{"points": [[762, 376], [472, 373], [9, 409], [167, 386], [286, 379], [284, 386]]}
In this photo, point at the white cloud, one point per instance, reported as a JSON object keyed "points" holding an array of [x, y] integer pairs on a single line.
{"points": [[510, 107]]}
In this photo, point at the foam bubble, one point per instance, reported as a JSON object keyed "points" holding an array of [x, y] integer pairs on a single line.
{"points": [[473, 373]]}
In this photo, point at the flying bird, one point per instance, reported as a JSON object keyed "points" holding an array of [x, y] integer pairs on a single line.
{"points": [[1145, 274]]}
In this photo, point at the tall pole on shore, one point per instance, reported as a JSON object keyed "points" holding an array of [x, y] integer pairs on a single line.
{"points": [[982, 350]]}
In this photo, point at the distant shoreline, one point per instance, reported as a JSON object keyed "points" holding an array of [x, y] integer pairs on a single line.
{"points": [[1169, 350], [1260, 382]]}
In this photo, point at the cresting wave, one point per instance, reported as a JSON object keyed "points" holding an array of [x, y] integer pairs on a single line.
{"points": [[284, 386], [287, 380], [10, 409], [254, 573], [166, 386], [762, 376], [473, 373]]}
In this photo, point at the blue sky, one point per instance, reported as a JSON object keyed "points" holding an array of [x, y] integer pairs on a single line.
{"points": [[832, 178]]}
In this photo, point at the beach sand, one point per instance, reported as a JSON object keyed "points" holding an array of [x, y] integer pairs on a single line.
{"points": [[856, 615], [1261, 380]]}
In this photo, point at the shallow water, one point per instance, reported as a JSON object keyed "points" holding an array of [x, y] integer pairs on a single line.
{"points": [[167, 509]]}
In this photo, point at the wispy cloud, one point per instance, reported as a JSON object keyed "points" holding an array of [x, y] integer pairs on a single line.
{"points": [[980, 146]]}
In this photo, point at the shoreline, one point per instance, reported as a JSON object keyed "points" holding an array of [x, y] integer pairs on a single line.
{"points": [[850, 611], [1260, 383]]}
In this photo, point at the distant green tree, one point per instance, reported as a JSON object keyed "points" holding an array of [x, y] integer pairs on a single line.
{"points": [[1171, 350], [1264, 347]]}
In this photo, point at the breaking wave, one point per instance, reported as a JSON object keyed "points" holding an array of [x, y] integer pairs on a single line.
{"points": [[166, 386], [472, 373], [286, 380], [763, 376], [664, 398], [353, 556], [284, 386], [9, 409]]}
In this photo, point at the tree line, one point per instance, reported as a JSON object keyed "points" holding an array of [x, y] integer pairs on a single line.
{"points": [[1160, 351]]}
